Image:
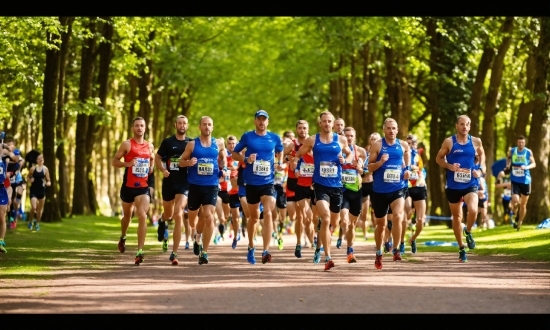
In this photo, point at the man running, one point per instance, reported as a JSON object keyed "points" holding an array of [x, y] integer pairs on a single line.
{"points": [[366, 187], [390, 163], [15, 190], [262, 147], [175, 187], [234, 202], [203, 157], [327, 150], [457, 155], [520, 161], [5, 156], [138, 163], [503, 181]]}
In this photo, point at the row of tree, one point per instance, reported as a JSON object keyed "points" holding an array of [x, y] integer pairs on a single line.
{"points": [[70, 86]]}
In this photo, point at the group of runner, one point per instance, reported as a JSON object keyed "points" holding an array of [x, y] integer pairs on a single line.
{"points": [[329, 181]]}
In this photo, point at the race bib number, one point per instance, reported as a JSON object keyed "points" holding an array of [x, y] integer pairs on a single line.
{"points": [[463, 175], [279, 178], [413, 176], [518, 171], [392, 175], [174, 164], [205, 169], [1, 168], [306, 170], [141, 169], [261, 168], [349, 177], [328, 170], [507, 193]]}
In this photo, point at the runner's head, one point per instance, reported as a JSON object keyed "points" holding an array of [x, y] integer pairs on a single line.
{"points": [[288, 135], [302, 128], [390, 128], [206, 126], [182, 124], [373, 138], [463, 125], [261, 120], [139, 127], [412, 140], [231, 143], [349, 132], [40, 159], [339, 125], [10, 141], [521, 142], [326, 121]]}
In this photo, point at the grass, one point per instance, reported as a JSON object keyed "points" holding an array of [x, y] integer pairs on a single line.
{"points": [[84, 242], [529, 243]]}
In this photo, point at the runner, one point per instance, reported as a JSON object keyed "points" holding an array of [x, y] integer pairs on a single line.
{"points": [[261, 147], [327, 150], [282, 192], [387, 158], [366, 188], [289, 186], [351, 191], [234, 202], [339, 125], [457, 156], [7, 154], [39, 178], [223, 210], [415, 202], [203, 157], [175, 187], [15, 190], [134, 193], [503, 181], [520, 161]]}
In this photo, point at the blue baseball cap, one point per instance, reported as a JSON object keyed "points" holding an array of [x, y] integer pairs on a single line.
{"points": [[261, 113], [17, 152]]}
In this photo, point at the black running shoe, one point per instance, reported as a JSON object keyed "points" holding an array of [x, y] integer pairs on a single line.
{"points": [[196, 248], [160, 230]]}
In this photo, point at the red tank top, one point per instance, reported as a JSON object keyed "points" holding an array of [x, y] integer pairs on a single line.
{"points": [[297, 146], [306, 181], [137, 175]]}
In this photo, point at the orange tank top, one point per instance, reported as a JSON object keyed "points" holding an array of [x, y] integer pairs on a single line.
{"points": [[137, 175]]}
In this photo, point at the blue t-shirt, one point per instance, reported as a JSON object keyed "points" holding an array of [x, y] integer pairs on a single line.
{"points": [[262, 171]]}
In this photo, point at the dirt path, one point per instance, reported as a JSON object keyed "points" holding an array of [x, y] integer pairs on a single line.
{"points": [[424, 283]]}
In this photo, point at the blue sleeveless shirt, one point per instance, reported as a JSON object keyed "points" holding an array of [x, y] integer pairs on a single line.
{"points": [[206, 171], [328, 170], [520, 158], [463, 154], [389, 177]]}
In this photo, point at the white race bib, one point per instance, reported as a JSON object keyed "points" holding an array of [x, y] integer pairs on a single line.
{"points": [[306, 170], [261, 168], [279, 178], [141, 169], [392, 175], [463, 175], [174, 164], [205, 169], [12, 179], [328, 170], [414, 175], [518, 171], [1, 168], [349, 178]]}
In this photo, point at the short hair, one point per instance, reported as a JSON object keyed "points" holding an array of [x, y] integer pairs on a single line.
{"points": [[9, 139], [136, 119], [463, 116], [389, 120], [326, 112], [521, 137], [349, 128], [231, 137], [288, 134], [342, 119], [412, 137], [204, 117], [375, 134], [180, 117], [301, 121]]}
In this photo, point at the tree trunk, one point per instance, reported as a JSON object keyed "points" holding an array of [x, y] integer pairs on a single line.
{"points": [[133, 85], [405, 110], [49, 95], [526, 106], [487, 137], [60, 132], [373, 95], [538, 207], [358, 103], [81, 202], [477, 89]]}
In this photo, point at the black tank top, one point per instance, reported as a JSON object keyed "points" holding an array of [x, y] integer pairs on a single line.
{"points": [[38, 182]]}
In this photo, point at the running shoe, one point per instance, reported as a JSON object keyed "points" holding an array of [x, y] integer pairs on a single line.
{"points": [[469, 239], [3, 247], [174, 258], [396, 255], [37, 226], [298, 251], [187, 245], [515, 225], [139, 257], [339, 243], [378, 262], [160, 230], [387, 247], [165, 245], [328, 264], [351, 258], [518, 228], [462, 255], [280, 243], [216, 239], [402, 247], [203, 258], [317, 256], [122, 244], [266, 257], [250, 256], [234, 244], [196, 248], [413, 246], [31, 223]]}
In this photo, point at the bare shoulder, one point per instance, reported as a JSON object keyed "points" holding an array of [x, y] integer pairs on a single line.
{"points": [[476, 141]]}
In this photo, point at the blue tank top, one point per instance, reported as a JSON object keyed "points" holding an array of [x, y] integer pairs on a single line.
{"points": [[206, 171], [389, 177], [3, 170], [506, 193], [463, 154], [327, 168], [520, 158]]}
